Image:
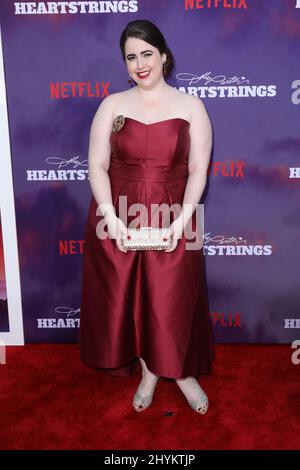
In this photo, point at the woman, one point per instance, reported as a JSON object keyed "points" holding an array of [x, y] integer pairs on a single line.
{"points": [[147, 310]]}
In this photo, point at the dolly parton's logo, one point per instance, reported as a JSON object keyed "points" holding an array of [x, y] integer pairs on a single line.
{"points": [[61, 162], [63, 169], [209, 79], [210, 85], [66, 320]]}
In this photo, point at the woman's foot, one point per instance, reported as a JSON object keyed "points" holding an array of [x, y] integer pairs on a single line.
{"points": [[194, 394], [144, 394]]}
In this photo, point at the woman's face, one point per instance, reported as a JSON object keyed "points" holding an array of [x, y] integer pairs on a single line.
{"points": [[144, 62]]}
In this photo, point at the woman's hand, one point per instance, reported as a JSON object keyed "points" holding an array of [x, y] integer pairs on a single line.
{"points": [[174, 232], [117, 230]]}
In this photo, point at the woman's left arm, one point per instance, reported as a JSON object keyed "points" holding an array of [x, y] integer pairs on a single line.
{"points": [[199, 158]]}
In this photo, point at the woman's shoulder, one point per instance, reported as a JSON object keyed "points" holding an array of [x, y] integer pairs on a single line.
{"points": [[111, 101], [191, 100], [185, 102], [196, 106], [112, 98]]}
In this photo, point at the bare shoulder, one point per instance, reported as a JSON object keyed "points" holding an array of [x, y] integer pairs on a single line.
{"points": [[109, 102], [178, 96], [105, 112], [195, 105], [115, 101], [199, 114]]}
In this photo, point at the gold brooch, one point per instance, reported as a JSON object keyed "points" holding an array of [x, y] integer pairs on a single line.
{"points": [[118, 123]]}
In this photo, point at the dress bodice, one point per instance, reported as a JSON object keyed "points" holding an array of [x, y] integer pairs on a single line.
{"points": [[161, 147]]}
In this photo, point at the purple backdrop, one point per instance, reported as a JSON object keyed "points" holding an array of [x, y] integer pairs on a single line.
{"points": [[242, 61]]}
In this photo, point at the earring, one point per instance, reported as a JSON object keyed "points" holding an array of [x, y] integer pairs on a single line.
{"points": [[164, 69]]}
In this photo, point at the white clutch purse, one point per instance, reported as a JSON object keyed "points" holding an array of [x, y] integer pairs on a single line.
{"points": [[146, 238]]}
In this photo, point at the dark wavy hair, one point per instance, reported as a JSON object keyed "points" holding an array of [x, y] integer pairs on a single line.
{"points": [[148, 32]]}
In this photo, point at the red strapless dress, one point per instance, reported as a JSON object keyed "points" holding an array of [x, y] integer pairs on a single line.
{"points": [[150, 304]]}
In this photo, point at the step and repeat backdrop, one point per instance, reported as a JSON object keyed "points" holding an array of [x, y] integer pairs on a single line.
{"points": [[241, 58]]}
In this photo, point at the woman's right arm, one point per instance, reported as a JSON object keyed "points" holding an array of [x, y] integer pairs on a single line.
{"points": [[99, 156], [98, 165]]}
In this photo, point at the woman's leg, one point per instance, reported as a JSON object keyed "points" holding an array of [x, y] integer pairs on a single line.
{"points": [[145, 389], [194, 394]]}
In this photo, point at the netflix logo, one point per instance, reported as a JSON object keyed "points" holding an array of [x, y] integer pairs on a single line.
{"points": [[200, 4], [231, 320], [69, 90], [70, 247], [230, 169]]}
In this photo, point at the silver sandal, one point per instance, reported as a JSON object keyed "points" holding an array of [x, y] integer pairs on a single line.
{"points": [[201, 404], [139, 401]]}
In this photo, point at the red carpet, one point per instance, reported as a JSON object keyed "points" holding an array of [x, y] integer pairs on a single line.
{"points": [[49, 400]]}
